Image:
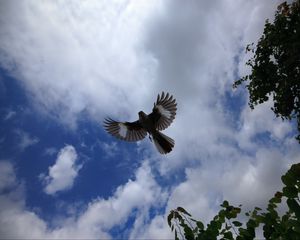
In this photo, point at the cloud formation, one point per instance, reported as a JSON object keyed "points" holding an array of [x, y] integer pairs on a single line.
{"points": [[74, 61], [100, 215], [62, 174], [102, 59]]}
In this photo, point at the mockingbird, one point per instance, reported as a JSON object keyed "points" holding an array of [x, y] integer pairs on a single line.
{"points": [[163, 114]]}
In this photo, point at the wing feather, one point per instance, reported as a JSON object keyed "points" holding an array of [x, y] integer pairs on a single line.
{"points": [[128, 131], [164, 111]]}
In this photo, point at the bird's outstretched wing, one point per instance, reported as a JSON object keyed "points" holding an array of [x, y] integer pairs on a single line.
{"points": [[164, 111], [128, 131]]}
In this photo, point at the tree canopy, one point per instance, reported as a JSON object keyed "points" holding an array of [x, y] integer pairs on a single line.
{"points": [[275, 65]]}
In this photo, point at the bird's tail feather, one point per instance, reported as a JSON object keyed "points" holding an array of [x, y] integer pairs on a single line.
{"points": [[163, 143]]}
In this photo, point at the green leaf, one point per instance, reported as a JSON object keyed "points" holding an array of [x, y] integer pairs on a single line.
{"points": [[219, 224], [290, 192], [170, 216], [215, 225], [200, 225], [271, 206], [295, 170], [177, 216], [225, 204], [251, 224], [237, 223], [275, 200], [237, 210], [188, 233], [297, 229], [294, 206], [288, 180], [228, 235], [245, 233], [181, 209], [259, 219]]}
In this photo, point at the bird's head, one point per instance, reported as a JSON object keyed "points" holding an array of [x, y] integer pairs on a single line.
{"points": [[142, 115]]}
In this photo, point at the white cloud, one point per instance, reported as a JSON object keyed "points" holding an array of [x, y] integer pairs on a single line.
{"points": [[261, 120], [241, 179], [110, 149], [140, 193], [62, 174], [156, 229], [207, 185], [7, 175], [50, 151], [76, 60], [112, 59], [25, 139], [197, 64], [95, 221]]}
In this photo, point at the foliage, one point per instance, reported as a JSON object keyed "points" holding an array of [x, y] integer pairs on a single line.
{"points": [[275, 66], [225, 225]]}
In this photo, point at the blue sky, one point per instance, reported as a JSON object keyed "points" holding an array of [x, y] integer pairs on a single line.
{"points": [[65, 66]]}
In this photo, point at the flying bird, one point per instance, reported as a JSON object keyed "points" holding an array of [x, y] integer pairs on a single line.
{"points": [[161, 117]]}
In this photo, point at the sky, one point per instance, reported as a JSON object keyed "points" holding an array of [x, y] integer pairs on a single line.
{"points": [[66, 65]]}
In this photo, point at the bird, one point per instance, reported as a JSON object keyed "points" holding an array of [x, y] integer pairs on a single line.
{"points": [[161, 117]]}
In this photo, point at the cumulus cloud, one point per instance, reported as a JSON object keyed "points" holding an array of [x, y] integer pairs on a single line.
{"points": [[83, 55], [195, 50], [196, 53], [112, 59], [212, 182], [95, 221], [62, 174], [250, 180]]}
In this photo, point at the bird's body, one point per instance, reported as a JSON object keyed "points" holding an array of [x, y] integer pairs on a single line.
{"points": [[162, 115], [146, 122]]}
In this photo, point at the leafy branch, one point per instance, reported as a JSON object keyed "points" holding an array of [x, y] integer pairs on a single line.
{"points": [[225, 226], [275, 65]]}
